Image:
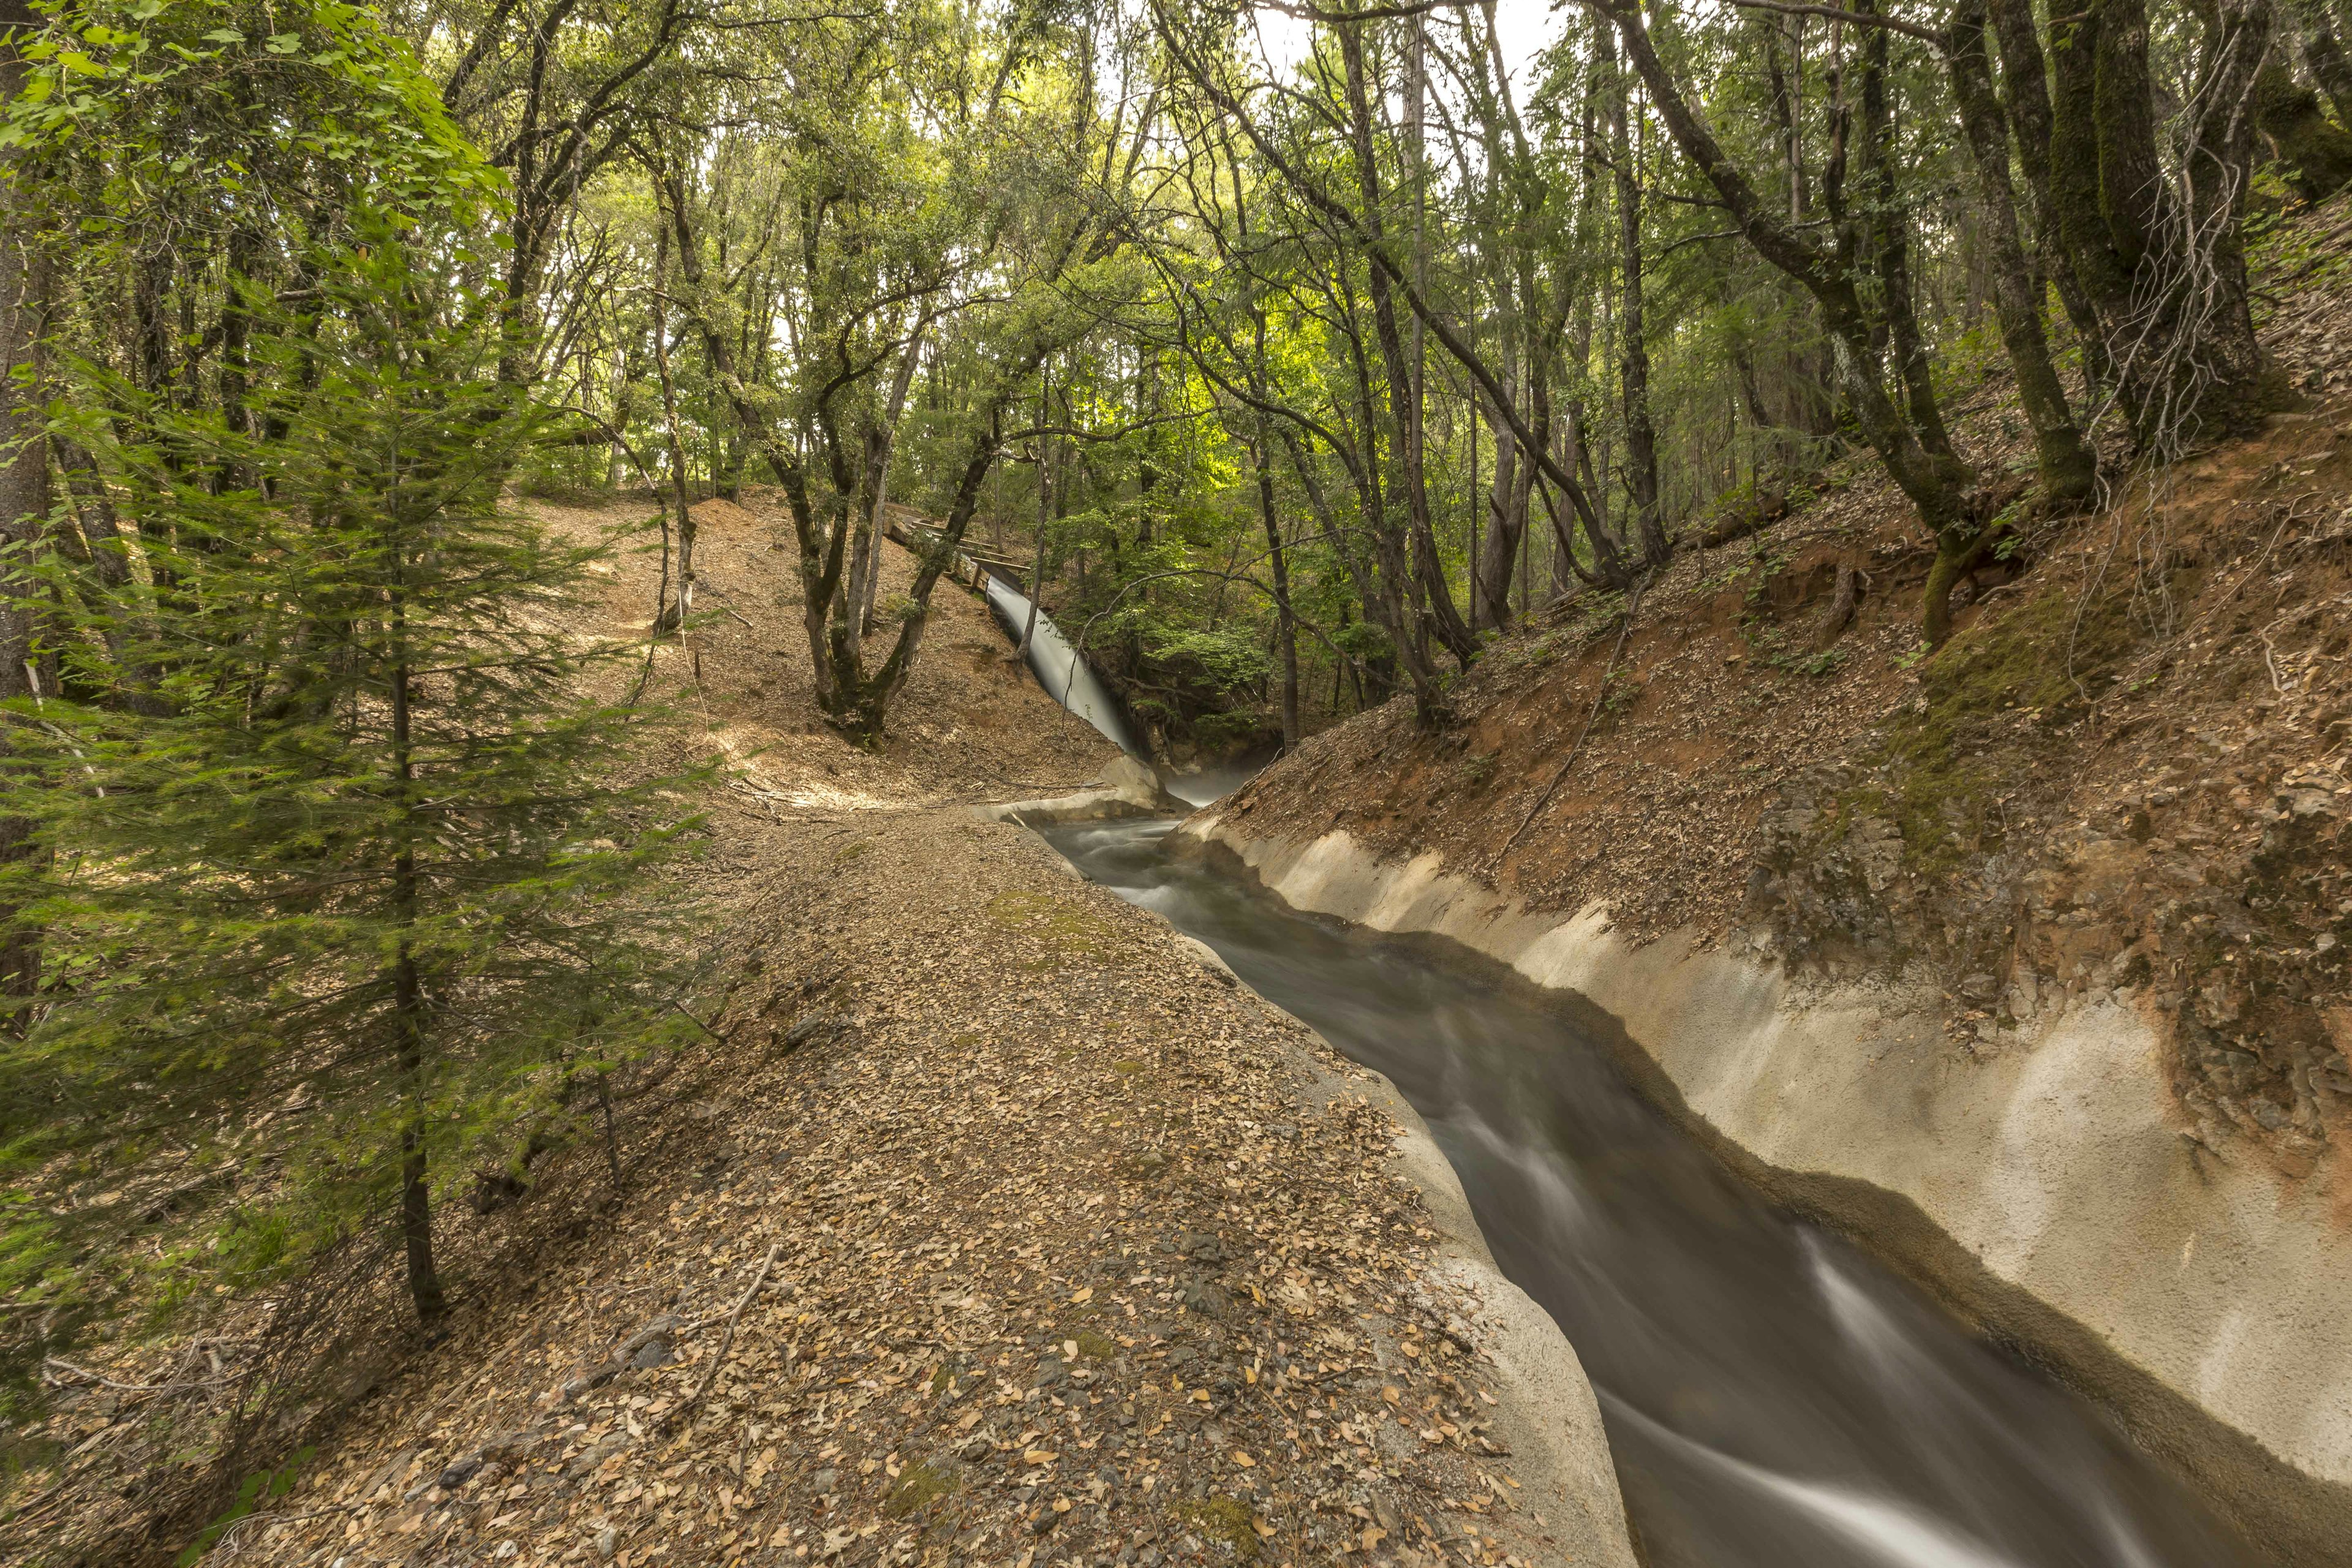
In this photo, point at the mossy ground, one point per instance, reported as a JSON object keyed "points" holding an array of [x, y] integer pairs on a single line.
{"points": [[1066, 932], [1225, 1519], [918, 1485], [1993, 702]]}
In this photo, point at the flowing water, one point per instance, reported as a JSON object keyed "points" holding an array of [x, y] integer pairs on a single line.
{"points": [[1066, 677], [1774, 1399]]}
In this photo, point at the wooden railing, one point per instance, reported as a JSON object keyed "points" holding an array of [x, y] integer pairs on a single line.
{"points": [[973, 568]]}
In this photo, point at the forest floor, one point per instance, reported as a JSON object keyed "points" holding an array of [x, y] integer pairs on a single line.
{"points": [[2128, 770], [964, 1244]]}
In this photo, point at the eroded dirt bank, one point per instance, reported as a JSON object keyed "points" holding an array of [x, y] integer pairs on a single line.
{"points": [[997, 1228]]}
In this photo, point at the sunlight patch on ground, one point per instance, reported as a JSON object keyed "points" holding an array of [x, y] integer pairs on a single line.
{"points": [[826, 795]]}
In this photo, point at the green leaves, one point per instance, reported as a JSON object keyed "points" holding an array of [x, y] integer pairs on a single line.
{"points": [[253, 842], [120, 97]]}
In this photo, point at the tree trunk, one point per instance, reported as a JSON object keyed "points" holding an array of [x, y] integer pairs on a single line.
{"points": [[409, 1022], [865, 569], [1892, 222], [2220, 361], [1445, 620], [2324, 56], [671, 616], [2069, 471], [2026, 75], [2169, 286], [1633, 357], [2307, 142], [1285, 628], [24, 502], [1045, 521], [1506, 520]]}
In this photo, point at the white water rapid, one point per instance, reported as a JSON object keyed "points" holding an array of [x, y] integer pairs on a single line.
{"points": [[1060, 668]]}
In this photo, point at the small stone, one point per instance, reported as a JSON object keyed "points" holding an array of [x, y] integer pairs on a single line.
{"points": [[608, 1539], [1050, 1372], [1201, 1245], [1206, 1300], [824, 1480], [816, 1025]]}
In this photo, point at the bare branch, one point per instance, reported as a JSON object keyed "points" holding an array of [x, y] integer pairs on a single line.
{"points": [[1860, 18]]}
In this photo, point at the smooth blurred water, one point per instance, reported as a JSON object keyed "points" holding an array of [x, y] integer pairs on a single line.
{"points": [[1060, 670], [1774, 1398]]}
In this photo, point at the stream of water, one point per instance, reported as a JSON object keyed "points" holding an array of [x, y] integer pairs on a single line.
{"points": [[1068, 678], [1774, 1399]]}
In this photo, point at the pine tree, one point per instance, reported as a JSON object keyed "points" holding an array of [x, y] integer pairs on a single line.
{"points": [[339, 818]]}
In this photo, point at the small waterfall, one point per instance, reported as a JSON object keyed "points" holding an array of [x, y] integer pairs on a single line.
{"points": [[1060, 669]]}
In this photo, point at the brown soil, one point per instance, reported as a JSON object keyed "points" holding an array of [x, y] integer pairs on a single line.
{"points": [[995, 1229]]}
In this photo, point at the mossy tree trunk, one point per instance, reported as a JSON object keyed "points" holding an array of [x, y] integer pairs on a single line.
{"points": [[2323, 55], [1633, 346], [24, 501], [2163, 267], [2068, 470], [2306, 141], [2025, 81]]}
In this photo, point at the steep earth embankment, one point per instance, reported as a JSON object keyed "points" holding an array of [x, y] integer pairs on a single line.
{"points": [[2022, 961], [995, 1227]]}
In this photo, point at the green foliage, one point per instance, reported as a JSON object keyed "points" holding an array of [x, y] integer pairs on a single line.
{"points": [[1816, 662], [161, 97], [252, 1493], [345, 864], [1231, 660]]}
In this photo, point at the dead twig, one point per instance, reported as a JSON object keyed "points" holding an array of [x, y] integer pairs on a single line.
{"points": [[717, 1035], [230, 1544], [1601, 695], [133, 1387], [726, 1341]]}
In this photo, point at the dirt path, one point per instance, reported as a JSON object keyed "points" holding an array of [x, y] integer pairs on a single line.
{"points": [[997, 1229]]}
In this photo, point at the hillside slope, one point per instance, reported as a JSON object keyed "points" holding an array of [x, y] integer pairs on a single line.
{"points": [[958, 1241], [2022, 960]]}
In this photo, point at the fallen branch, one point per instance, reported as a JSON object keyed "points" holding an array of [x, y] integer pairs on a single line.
{"points": [[664, 1327], [1633, 603], [133, 1387], [727, 1339]]}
